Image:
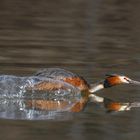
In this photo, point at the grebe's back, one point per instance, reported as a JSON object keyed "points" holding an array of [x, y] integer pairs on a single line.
{"points": [[64, 75], [55, 73]]}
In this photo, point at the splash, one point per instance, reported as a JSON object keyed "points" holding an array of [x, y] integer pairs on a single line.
{"points": [[19, 100]]}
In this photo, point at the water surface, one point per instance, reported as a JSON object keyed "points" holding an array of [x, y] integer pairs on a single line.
{"points": [[90, 38]]}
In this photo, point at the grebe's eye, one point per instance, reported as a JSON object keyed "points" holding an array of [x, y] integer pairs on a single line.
{"points": [[127, 79]]}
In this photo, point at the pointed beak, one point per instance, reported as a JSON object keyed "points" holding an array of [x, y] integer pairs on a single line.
{"points": [[134, 82]]}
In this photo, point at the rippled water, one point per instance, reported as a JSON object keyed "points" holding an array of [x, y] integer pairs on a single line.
{"points": [[90, 38]]}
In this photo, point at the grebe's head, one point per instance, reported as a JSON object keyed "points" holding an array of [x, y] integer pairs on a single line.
{"points": [[115, 79]]}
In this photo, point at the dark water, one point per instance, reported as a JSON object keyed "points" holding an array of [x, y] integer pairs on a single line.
{"points": [[90, 38]]}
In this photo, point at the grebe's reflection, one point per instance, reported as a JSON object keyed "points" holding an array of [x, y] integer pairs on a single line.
{"points": [[40, 109]]}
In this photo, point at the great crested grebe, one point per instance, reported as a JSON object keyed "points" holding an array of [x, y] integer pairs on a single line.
{"points": [[79, 82]]}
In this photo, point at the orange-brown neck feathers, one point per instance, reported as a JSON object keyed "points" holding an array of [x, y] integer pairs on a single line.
{"points": [[78, 82]]}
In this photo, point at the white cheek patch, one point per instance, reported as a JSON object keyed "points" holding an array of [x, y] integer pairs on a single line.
{"points": [[125, 79]]}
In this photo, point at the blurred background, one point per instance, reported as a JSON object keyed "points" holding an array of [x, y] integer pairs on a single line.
{"points": [[91, 38]]}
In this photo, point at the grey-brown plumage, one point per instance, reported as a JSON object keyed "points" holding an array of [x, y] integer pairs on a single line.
{"points": [[55, 73]]}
